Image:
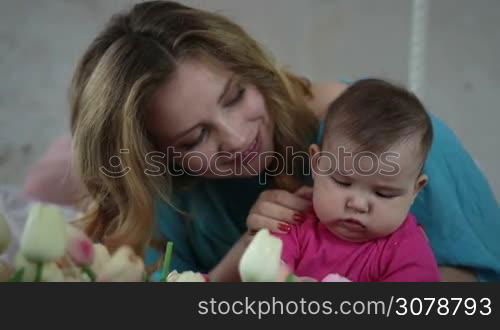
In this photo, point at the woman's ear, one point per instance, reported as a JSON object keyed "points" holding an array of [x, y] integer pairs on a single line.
{"points": [[314, 159]]}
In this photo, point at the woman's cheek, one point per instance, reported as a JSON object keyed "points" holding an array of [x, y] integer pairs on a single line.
{"points": [[196, 164]]}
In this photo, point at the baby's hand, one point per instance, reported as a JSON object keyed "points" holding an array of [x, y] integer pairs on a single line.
{"points": [[277, 209]]}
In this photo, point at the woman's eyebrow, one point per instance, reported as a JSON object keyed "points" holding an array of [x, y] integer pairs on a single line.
{"points": [[227, 86]]}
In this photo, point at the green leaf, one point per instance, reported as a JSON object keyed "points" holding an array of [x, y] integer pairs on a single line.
{"points": [[18, 276], [89, 272], [39, 270]]}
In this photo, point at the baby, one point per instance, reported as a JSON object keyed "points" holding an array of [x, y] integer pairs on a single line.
{"points": [[367, 171]]}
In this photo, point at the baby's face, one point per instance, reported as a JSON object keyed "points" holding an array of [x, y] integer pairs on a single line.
{"points": [[364, 198]]}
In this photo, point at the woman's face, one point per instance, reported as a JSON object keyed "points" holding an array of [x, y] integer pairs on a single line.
{"points": [[212, 123]]}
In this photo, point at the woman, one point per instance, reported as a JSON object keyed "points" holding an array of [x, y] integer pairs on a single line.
{"points": [[193, 85]]}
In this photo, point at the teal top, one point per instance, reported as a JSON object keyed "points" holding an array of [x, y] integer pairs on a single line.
{"points": [[457, 209]]}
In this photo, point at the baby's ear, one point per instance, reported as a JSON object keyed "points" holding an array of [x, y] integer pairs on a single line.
{"points": [[313, 158], [420, 184]]}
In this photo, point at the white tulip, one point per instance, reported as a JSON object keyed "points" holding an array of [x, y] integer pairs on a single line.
{"points": [[101, 257], [50, 271], [187, 276], [29, 268], [5, 235], [79, 246], [173, 276], [124, 266], [262, 258], [44, 236], [335, 278]]}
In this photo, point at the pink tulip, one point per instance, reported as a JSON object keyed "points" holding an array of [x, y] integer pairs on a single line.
{"points": [[79, 247]]}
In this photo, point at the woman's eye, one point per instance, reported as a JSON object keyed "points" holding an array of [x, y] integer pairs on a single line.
{"points": [[197, 141], [342, 183], [236, 98]]}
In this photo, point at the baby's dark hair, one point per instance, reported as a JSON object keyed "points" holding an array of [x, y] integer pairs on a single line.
{"points": [[376, 114]]}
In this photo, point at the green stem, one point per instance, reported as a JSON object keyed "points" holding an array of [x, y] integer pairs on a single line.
{"points": [[290, 278], [18, 276], [39, 269], [166, 261], [89, 272]]}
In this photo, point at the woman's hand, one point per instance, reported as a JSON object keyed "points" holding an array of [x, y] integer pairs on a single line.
{"points": [[277, 209]]}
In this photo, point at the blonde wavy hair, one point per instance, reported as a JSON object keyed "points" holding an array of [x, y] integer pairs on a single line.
{"points": [[137, 52]]}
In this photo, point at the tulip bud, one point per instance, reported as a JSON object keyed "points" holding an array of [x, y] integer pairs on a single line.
{"points": [[262, 258], [5, 235], [44, 236], [101, 257], [187, 276], [334, 278], [173, 276], [79, 247], [50, 271], [124, 266], [29, 268]]}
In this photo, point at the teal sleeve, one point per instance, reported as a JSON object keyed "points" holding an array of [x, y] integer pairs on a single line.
{"points": [[458, 208]]}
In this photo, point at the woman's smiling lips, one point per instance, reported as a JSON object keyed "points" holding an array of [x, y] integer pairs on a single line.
{"points": [[254, 148]]}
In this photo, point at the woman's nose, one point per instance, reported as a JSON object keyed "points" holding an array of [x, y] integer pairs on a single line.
{"points": [[232, 137]]}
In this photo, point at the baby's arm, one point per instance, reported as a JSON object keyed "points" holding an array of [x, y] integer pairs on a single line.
{"points": [[290, 253]]}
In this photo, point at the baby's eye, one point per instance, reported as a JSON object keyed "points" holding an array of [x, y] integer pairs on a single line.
{"points": [[384, 195]]}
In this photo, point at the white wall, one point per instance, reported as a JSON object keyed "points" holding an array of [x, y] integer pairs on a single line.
{"points": [[40, 42]]}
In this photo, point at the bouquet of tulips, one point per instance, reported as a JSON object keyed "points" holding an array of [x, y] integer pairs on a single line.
{"points": [[53, 250]]}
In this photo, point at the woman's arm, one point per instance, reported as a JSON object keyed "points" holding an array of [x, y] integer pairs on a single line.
{"points": [[227, 269], [453, 274]]}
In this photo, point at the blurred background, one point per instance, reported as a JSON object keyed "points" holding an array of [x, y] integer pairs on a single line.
{"points": [[325, 40]]}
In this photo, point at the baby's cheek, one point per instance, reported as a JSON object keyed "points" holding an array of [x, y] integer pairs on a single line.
{"points": [[324, 202], [391, 219]]}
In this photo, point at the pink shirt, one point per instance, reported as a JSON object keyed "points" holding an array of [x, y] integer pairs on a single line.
{"points": [[310, 249]]}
